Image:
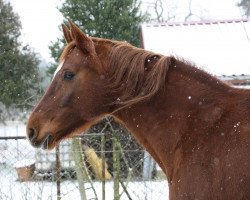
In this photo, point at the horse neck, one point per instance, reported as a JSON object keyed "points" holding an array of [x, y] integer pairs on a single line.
{"points": [[160, 123]]}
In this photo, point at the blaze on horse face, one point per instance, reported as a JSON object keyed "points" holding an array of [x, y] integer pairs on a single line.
{"points": [[60, 112]]}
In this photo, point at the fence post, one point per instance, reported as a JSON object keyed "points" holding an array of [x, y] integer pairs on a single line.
{"points": [[116, 165], [58, 172], [103, 165], [80, 167]]}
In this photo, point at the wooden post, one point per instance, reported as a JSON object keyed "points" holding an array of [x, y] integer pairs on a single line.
{"points": [[58, 173], [116, 165], [80, 167], [103, 165]]}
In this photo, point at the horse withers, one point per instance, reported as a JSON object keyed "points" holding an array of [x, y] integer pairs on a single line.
{"points": [[196, 127]]}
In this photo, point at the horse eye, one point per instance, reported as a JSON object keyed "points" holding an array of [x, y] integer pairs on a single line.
{"points": [[68, 75]]}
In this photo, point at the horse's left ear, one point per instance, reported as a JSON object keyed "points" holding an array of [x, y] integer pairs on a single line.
{"points": [[82, 40], [67, 34]]}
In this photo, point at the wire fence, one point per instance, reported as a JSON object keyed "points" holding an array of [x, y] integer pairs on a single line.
{"points": [[104, 164]]}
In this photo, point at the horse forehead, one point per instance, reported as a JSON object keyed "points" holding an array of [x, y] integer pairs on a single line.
{"points": [[58, 68]]}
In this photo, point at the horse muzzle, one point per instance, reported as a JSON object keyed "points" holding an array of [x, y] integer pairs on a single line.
{"points": [[43, 143]]}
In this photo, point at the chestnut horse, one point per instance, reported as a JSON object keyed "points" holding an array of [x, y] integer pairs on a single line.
{"points": [[196, 127]]}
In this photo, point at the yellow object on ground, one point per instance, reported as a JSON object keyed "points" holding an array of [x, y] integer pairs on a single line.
{"points": [[96, 163]]}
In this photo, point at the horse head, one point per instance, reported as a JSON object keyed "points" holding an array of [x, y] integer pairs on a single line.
{"points": [[77, 96]]}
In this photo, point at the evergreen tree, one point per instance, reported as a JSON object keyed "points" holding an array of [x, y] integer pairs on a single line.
{"points": [[18, 65], [111, 19], [245, 4]]}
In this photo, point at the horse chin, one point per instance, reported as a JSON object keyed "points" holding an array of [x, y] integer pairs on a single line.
{"points": [[49, 145], [53, 144], [54, 141]]}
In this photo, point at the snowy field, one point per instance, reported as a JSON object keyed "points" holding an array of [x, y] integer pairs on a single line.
{"points": [[15, 152], [10, 189]]}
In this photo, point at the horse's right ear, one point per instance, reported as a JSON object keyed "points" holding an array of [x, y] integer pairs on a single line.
{"points": [[67, 34]]}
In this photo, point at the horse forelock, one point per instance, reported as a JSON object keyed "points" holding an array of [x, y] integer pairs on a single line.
{"points": [[136, 73]]}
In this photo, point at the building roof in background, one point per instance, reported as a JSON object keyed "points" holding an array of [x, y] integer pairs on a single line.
{"points": [[219, 47]]}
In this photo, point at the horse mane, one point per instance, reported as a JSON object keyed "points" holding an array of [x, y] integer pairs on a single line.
{"points": [[136, 74], [190, 69]]}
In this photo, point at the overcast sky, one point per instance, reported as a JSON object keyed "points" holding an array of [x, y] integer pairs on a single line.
{"points": [[40, 21], [41, 18]]}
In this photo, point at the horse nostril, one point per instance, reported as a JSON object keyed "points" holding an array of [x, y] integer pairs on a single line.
{"points": [[32, 134]]}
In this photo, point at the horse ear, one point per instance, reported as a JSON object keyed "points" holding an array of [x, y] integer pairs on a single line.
{"points": [[67, 33], [82, 40]]}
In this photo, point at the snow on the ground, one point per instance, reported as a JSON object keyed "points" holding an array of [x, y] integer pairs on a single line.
{"points": [[36, 190], [24, 163], [15, 151]]}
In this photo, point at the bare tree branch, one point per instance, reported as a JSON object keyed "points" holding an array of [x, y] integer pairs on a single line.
{"points": [[190, 13], [158, 7]]}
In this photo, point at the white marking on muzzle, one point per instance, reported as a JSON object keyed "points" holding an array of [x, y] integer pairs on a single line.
{"points": [[58, 68]]}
